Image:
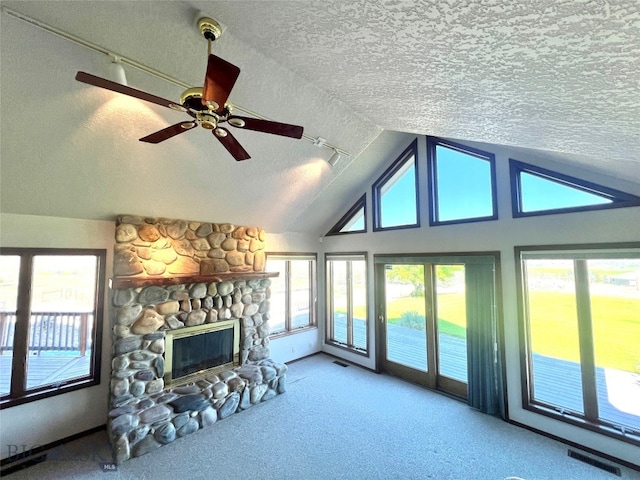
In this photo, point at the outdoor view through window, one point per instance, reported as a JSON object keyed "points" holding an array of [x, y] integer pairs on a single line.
{"points": [[583, 314], [292, 301], [60, 292], [347, 309]]}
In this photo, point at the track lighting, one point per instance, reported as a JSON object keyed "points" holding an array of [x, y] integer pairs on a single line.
{"points": [[337, 153], [335, 158], [116, 71]]}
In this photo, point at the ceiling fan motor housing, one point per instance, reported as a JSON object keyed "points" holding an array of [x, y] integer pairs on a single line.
{"points": [[191, 98]]}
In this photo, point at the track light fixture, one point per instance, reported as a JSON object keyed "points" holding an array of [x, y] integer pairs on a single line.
{"points": [[335, 158], [116, 71]]}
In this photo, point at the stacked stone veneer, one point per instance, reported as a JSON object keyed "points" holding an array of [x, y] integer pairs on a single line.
{"points": [[144, 414], [165, 247]]}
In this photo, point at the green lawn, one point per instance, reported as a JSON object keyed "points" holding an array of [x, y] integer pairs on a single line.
{"points": [[616, 328], [616, 325], [452, 319]]}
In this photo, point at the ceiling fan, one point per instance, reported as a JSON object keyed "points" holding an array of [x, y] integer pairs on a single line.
{"points": [[206, 105]]}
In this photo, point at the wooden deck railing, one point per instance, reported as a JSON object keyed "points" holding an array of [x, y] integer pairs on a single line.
{"points": [[50, 331]]}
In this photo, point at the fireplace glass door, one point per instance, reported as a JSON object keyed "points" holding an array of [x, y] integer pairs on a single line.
{"points": [[195, 351]]}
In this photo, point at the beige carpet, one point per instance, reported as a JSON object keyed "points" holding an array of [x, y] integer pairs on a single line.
{"points": [[338, 422]]}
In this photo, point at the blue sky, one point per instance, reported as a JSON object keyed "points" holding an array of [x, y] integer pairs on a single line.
{"points": [[542, 194], [399, 201], [465, 191], [464, 185]]}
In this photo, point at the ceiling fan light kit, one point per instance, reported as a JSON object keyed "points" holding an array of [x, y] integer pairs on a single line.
{"points": [[207, 105]]}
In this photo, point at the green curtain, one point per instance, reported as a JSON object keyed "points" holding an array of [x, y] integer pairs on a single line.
{"points": [[485, 385]]}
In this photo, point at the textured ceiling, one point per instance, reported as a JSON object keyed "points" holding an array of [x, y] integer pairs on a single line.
{"points": [[551, 75], [556, 76]]}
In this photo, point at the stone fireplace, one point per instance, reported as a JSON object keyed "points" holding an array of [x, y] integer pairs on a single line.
{"points": [[171, 275]]}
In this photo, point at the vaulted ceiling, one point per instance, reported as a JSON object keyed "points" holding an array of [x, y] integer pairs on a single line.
{"points": [[559, 77]]}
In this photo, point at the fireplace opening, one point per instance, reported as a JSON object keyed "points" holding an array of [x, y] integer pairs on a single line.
{"points": [[194, 352]]}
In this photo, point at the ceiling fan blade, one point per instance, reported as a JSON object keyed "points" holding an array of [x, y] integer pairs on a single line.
{"points": [[231, 144], [219, 81], [266, 126], [116, 87], [166, 133]]}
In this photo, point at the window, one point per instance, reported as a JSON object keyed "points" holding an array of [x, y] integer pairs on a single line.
{"points": [[354, 221], [395, 193], [462, 183], [537, 191], [580, 328], [347, 324], [293, 292], [51, 305]]}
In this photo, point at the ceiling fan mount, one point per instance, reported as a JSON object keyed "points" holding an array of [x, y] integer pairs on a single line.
{"points": [[209, 28], [207, 105]]}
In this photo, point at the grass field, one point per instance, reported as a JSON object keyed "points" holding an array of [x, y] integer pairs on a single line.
{"points": [[616, 325], [616, 328], [452, 319]]}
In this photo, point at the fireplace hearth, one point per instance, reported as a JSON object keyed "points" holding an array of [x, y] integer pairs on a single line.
{"points": [[167, 379]]}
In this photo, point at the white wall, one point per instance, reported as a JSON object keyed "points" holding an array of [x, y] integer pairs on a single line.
{"points": [[45, 421], [615, 225]]}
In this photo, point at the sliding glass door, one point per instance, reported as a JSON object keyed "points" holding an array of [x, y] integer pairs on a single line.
{"points": [[404, 321], [422, 323], [451, 326]]}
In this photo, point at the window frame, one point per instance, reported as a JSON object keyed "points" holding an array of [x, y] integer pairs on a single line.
{"points": [[577, 251], [376, 189], [349, 257], [18, 393], [313, 291], [516, 168], [432, 167], [361, 203]]}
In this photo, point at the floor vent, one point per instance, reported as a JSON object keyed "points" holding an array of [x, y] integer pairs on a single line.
{"points": [[340, 363], [595, 463]]}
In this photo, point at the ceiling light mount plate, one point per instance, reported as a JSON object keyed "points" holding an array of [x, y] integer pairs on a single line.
{"points": [[209, 28]]}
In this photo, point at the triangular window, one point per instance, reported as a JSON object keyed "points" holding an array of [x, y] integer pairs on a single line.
{"points": [[538, 191], [354, 221], [395, 193]]}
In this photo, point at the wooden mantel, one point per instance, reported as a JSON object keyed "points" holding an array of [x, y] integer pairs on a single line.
{"points": [[118, 283]]}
